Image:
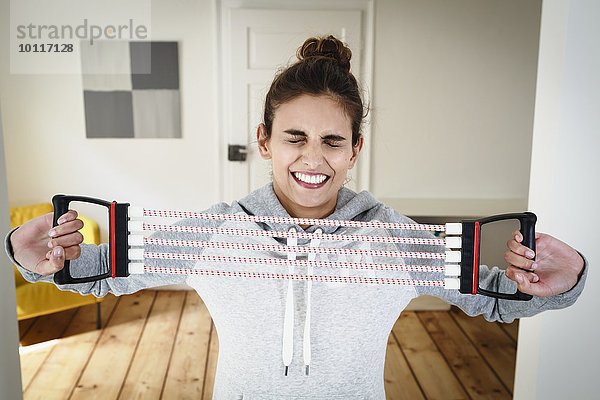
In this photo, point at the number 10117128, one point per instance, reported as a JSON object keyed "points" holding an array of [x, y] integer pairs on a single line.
{"points": [[46, 48]]}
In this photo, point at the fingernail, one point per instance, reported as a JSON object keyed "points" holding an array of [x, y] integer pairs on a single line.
{"points": [[534, 265], [530, 254], [57, 252], [52, 233], [61, 220], [50, 244]]}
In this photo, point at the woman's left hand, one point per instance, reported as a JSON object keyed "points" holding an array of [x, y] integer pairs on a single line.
{"points": [[555, 270]]}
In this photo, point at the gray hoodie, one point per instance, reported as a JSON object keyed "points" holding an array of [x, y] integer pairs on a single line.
{"points": [[349, 323]]}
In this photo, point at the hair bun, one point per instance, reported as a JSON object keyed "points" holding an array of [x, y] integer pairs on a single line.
{"points": [[330, 47]]}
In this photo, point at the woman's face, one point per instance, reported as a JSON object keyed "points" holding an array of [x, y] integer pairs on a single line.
{"points": [[311, 152]]}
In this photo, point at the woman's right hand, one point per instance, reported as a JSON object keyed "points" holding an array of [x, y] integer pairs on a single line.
{"points": [[43, 249]]}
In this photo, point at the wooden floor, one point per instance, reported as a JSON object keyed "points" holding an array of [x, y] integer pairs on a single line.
{"points": [[161, 344]]}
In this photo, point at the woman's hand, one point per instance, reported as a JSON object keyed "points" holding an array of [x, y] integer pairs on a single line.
{"points": [[555, 270], [43, 249]]}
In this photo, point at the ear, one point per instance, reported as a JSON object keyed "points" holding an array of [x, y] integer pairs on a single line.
{"points": [[263, 142], [356, 151]]}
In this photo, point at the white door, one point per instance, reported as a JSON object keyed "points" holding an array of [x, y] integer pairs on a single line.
{"points": [[255, 44]]}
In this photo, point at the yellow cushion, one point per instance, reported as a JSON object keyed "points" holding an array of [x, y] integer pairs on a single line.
{"points": [[20, 215], [43, 298]]}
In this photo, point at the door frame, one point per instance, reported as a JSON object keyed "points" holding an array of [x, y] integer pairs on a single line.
{"points": [[10, 366], [223, 16]]}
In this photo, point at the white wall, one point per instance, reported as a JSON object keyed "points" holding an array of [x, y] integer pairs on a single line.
{"points": [[558, 351], [451, 77], [48, 153], [453, 98]]}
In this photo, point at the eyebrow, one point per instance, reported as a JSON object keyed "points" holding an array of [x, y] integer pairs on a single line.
{"points": [[296, 132]]}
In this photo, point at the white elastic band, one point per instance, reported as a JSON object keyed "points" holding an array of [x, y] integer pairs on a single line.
{"points": [[288, 220], [299, 249], [296, 263], [301, 235], [296, 277]]}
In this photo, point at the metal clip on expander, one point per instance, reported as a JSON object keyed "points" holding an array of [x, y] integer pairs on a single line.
{"points": [[118, 244], [470, 260]]}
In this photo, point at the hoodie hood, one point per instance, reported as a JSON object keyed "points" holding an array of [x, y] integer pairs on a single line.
{"points": [[349, 205]]}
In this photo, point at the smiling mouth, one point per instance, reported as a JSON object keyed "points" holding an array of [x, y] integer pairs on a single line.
{"points": [[311, 181]]}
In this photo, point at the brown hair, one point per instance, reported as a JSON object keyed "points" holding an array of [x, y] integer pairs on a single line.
{"points": [[323, 68]]}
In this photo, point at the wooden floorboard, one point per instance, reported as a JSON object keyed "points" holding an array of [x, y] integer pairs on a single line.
{"points": [[400, 381], [436, 378], [107, 368], [211, 364], [39, 340], [512, 330], [68, 358], [163, 345], [187, 368], [496, 347], [477, 378], [149, 365]]}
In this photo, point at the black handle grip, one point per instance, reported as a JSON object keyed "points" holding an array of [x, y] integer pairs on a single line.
{"points": [[61, 206], [527, 222]]}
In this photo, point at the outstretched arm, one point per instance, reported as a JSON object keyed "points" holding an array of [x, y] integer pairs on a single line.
{"points": [[40, 250]]}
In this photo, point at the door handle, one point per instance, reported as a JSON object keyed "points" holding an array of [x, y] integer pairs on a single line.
{"points": [[236, 152]]}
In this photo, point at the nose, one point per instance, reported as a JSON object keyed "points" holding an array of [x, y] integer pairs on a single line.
{"points": [[312, 155]]}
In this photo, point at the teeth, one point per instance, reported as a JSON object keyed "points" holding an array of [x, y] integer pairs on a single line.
{"points": [[314, 179]]}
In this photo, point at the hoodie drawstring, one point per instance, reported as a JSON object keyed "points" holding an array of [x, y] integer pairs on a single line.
{"points": [[288, 321], [314, 242]]}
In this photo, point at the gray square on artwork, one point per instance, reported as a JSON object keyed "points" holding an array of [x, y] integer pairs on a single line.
{"points": [[108, 114], [164, 65], [156, 114]]}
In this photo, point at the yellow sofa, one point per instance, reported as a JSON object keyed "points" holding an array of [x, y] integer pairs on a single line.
{"points": [[43, 298]]}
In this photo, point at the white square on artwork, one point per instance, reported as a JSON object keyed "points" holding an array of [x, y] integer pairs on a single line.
{"points": [[106, 65]]}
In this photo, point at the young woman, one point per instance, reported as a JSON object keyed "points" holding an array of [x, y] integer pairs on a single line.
{"points": [[271, 331]]}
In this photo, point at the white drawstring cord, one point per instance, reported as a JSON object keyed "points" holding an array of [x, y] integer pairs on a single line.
{"points": [[314, 242], [288, 321]]}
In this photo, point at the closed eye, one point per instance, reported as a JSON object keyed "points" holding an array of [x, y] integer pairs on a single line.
{"points": [[333, 144], [295, 136], [293, 141], [334, 140]]}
